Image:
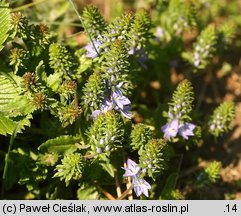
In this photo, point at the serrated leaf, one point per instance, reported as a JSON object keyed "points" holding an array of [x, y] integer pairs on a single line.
{"points": [[21, 105], [4, 23], [60, 145], [8, 90], [7, 125], [23, 121]]}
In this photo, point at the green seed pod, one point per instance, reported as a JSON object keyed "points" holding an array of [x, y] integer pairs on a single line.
{"points": [[116, 66], [118, 29], [69, 114], [210, 174], [139, 33], [40, 100]]}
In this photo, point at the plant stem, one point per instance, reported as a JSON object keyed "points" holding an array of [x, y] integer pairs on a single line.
{"points": [[126, 192], [129, 186], [83, 24], [108, 195], [178, 169], [7, 159], [118, 188]]}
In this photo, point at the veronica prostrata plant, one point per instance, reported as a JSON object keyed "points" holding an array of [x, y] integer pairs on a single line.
{"points": [[83, 121]]}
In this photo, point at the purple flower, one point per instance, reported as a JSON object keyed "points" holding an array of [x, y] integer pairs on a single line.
{"points": [[170, 129], [104, 107], [118, 99], [174, 116], [132, 169], [126, 112], [186, 130], [120, 102], [95, 114], [141, 186], [93, 51]]}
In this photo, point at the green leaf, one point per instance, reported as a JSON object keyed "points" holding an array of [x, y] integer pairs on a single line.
{"points": [[21, 105], [8, 90], [40, 72], [108, 167], [169, 191], [23, 121], [60, 145], [7, 125], [54, 81], [87, 192], [4, 23]]}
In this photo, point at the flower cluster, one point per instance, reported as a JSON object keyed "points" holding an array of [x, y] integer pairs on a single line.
{"points": [[175, 127], [116, 81], [154, 157], [204, 48], [178, 114], [126, 36], [106, 133], [93, 21], [221, 118], [117, 101], [141, 186]]}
